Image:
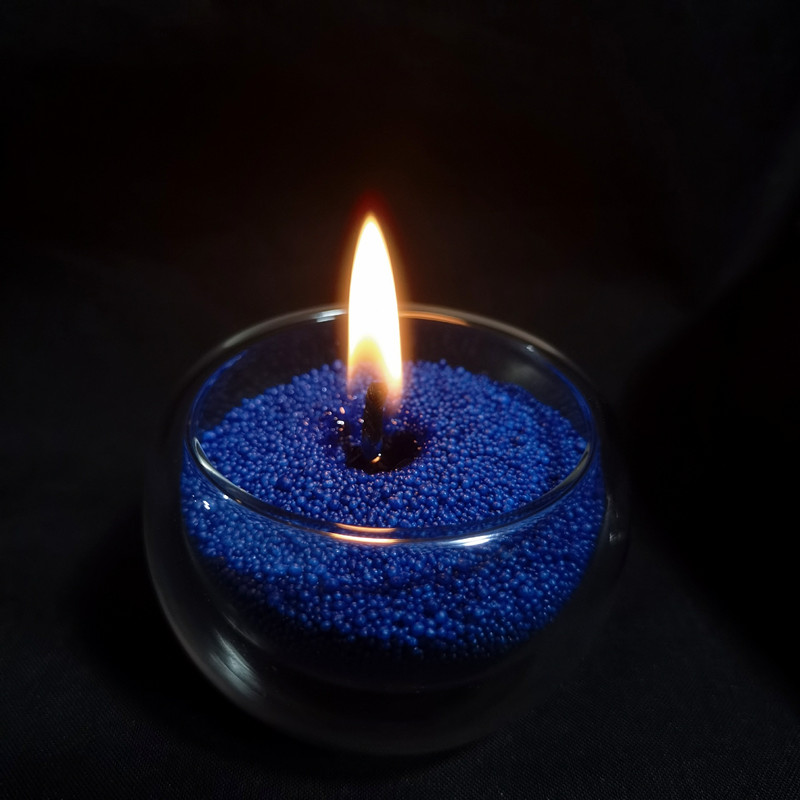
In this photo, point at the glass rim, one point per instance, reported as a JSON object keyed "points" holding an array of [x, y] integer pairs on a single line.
{"points": [[468, 533]]}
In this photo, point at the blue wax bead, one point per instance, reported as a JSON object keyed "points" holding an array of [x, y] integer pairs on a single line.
{"points": [[487, 450]]}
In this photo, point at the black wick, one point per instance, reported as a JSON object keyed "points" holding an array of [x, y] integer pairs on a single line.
{"points": [[378, 452], [372, 427]]}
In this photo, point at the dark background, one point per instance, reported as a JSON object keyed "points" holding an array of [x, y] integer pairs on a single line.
{"points": [[618, 178]]}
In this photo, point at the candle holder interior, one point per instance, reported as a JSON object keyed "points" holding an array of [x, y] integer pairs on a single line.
{"points": [[382, 640]]}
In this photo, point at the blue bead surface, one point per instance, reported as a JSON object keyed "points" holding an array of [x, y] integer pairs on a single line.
{"points": [[487, 450]]}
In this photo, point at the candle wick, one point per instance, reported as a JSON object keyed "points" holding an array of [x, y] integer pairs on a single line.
{"points": [[372, 427], [378, 451]]}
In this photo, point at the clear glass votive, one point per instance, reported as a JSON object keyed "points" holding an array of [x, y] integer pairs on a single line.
{"points": [[384, 640]]}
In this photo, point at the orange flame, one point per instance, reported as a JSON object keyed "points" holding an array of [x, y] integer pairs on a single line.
{"points": [[373, 321]]}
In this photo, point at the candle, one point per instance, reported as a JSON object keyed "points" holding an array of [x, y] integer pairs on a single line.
{"points": [[430, 535]]}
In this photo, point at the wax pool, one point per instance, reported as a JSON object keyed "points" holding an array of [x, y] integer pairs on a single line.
{"points": [[487, 450]]}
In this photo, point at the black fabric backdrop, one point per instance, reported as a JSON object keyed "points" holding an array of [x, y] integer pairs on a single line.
{"points": [[617, 178]]}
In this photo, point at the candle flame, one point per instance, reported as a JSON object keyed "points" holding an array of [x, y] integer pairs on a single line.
{"points": [[373, 322]]}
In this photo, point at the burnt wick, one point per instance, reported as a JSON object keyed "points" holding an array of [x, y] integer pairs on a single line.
{"points": [[379, 452], [372, 428]]}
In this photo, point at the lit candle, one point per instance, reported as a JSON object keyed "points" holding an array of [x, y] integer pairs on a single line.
{"points": [[391, 528]]}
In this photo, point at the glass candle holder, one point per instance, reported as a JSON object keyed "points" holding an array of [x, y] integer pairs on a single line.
{"points": [[382, 640]]}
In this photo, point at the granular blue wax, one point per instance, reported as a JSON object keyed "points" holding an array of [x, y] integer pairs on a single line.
{"points": [[486, 450]]}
